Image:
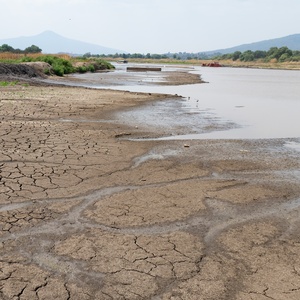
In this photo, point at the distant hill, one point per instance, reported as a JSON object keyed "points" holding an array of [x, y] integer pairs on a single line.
{"points": [[291, 41], [51, 42]]}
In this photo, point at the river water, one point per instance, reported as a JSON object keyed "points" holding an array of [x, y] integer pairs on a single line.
{"points": [[242, 103]]}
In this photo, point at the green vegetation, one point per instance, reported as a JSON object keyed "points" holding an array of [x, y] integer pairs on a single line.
{"points": [[31, 49], [128, 56], [12, 83], [97, 63], [60, 64], [84, 69], [91, 64], [8, 83], [64, 64], [283, 54]]}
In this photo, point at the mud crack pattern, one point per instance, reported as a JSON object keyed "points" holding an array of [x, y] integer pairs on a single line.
{"points": [[86, 214]]}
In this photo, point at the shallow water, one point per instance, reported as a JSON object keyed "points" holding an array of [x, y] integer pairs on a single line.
{"points": [[241, 103], [265, 103]]}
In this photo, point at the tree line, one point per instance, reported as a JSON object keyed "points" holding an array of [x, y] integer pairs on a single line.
{"points": [[127, 55], [31, 49], [282, 54], [177, 56]]}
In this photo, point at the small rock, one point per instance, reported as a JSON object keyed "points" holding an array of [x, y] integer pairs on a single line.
{"points": [[245, 151]]}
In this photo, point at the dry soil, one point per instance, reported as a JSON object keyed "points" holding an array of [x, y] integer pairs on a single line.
{"points": [[88, 213]]}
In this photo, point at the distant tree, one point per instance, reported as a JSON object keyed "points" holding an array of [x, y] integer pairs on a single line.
{"points": [[227, 56], [87, 55], [6, 48], [296, 53], [33, 49], [275, 52], [156, 56], [272, 52], [236, 55], [260, 54], [137, 55], [284, 57], [18, 51], [247, 56], [285, 51]]}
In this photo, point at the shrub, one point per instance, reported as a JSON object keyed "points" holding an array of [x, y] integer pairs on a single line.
{"points": [[59, 65], [91, 68], [101, 64], [4, 83], [58, 69], [26, 59], [82, 69], [47, 71]]}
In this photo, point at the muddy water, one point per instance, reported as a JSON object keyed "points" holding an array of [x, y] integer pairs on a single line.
{"points": [[235, 103], [261, 103]]}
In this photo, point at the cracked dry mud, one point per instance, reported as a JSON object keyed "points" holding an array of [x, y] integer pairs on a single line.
{"points": [[87, 215]]}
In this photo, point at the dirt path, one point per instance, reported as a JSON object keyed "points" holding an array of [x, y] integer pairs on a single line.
{"points": [[87, 214]]}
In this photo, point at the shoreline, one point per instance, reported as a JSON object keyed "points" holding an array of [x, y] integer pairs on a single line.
{"points": [[227, 63], [87, 214]]}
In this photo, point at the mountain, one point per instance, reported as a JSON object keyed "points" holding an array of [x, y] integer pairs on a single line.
{"points": [[51, 42], [290, 41]]}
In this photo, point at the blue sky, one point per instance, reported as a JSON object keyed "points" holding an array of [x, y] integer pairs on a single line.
{"points": [[155, 26]]}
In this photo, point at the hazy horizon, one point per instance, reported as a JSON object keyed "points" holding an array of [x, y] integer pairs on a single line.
{"points": [[154, 26]]}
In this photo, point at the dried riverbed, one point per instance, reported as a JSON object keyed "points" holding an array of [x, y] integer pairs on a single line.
{"points": [[88, 214]]}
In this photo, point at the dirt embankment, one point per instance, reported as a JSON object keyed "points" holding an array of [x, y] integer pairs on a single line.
{"points": [[22, 71]]}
